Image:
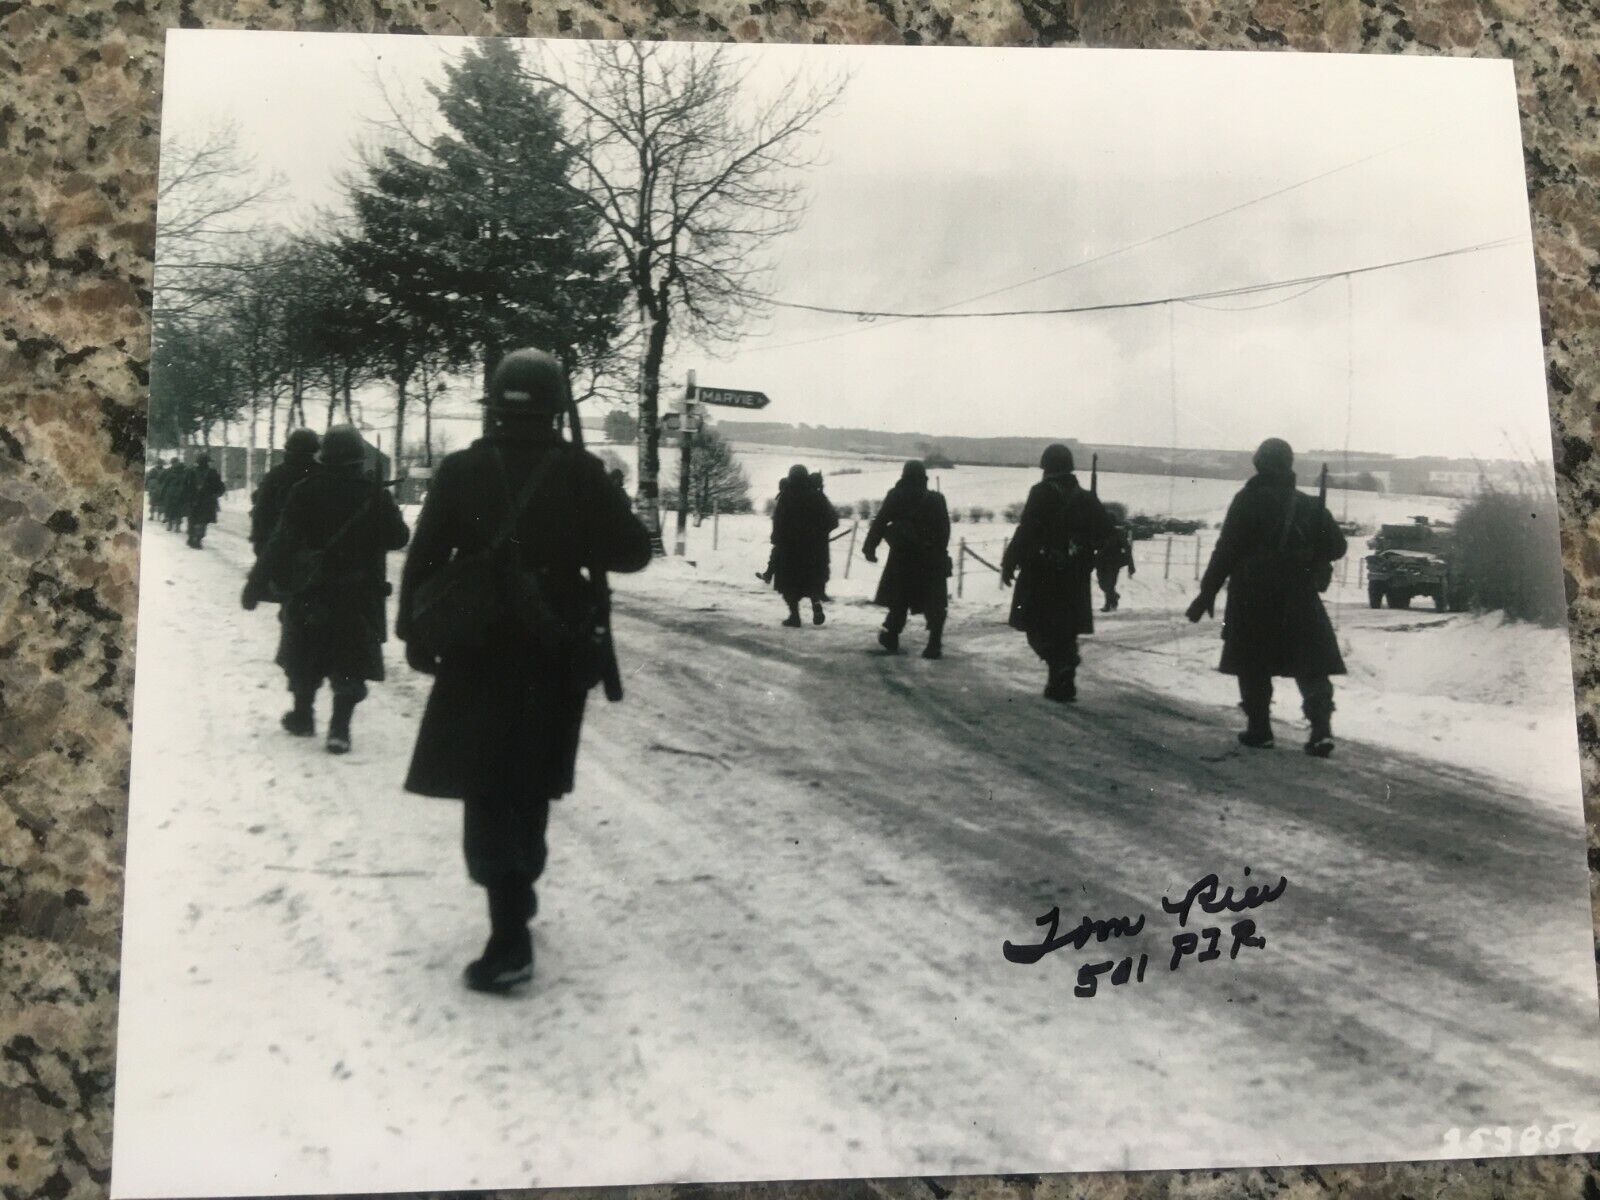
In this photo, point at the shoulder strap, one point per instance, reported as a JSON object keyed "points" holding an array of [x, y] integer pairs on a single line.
{"points": [[516, 507], [1288, 520], [366, 507]]}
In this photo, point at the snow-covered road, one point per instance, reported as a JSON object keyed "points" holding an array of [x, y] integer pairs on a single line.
{"points": [[770, 933]]}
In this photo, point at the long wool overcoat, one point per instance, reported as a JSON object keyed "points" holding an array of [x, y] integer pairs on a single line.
{"points": [[174, 493], [336, 627], [1063, 529], [801, 523], [915, 522], [505, 721], [202, 491], [1274, 622]]}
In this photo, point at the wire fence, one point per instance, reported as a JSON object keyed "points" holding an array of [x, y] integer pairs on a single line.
{"points": [[1181, 558]]}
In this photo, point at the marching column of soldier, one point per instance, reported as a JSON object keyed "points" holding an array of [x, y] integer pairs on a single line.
{"points": [[183, 493], [504, 602]]}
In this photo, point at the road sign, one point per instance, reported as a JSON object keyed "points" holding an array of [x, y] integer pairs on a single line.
{"points": [[731, 397]]}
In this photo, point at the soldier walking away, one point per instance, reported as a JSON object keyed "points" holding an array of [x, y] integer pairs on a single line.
{"points": [[175, 495], [325, 559], [1275, 553], [915, 522], [152, 487], [1062, 532], [272, 493], [502, 724], [801, 522], [1113, 556], [201, 494]]}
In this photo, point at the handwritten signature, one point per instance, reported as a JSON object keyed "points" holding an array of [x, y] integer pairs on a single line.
{"points": [[1203, 944]]}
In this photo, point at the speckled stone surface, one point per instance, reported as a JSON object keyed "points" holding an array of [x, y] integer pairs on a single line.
{"points": [[78, 124]]}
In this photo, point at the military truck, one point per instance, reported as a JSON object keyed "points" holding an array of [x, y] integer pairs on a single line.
{"points": [[1412, 560]]}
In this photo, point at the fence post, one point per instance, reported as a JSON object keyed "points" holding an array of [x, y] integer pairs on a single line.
{"points": [[716, 511], [1198, 539], [1166, 563], [1005, 544], [850, 552], [1361, 571], [961, 568]]}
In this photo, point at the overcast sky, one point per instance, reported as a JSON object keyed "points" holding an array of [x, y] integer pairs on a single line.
{"points": [[949, 173]]}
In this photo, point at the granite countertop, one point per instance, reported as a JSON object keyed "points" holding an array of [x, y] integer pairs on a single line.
{"points": [[79, 123]]}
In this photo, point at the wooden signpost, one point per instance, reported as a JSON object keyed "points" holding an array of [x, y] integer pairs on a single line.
{"points": [[686, 424]]}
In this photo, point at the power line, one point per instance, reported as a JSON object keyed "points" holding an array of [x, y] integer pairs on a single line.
{"points": [[1229, 308], [1188, 298], [1104, 255]]}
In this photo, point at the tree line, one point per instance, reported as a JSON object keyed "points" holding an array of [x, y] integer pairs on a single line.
{"points": [[606, 208]]}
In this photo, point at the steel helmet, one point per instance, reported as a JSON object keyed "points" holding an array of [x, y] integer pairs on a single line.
{"points": [[1274, 457], [302, 441], [341, 446], [1056, 459], [528, 381]]}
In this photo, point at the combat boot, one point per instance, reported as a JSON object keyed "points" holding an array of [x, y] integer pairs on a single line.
{"points": [[301, 721], [507, 958], [792, 621], [1320, 743], [1062, 685], [1257, 734], [817, 615], [344, 708], [889, 640]]}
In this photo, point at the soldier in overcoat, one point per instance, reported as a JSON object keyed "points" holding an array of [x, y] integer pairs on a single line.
{"points": [[202, 490], [502, 724], [325, 559], [152, 487], [175, 495], [1274, 554], [1051, 560], [272, 493], [915, 522], [801, 522]]}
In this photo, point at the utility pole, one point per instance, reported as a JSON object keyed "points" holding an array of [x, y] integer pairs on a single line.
{"points": [[686, 438]]}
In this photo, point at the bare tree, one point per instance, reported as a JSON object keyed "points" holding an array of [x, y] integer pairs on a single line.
{"points": [[716, 478], [691, 175], [207, 187]]}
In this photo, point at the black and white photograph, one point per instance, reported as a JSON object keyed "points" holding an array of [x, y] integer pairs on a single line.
{"points": [[768, 612]]}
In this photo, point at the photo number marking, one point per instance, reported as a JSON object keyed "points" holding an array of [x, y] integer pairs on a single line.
{"points": [[1505, 1139]]}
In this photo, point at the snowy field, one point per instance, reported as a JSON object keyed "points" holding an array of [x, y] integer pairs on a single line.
{"points": [[996, 487], [769, 935]]}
